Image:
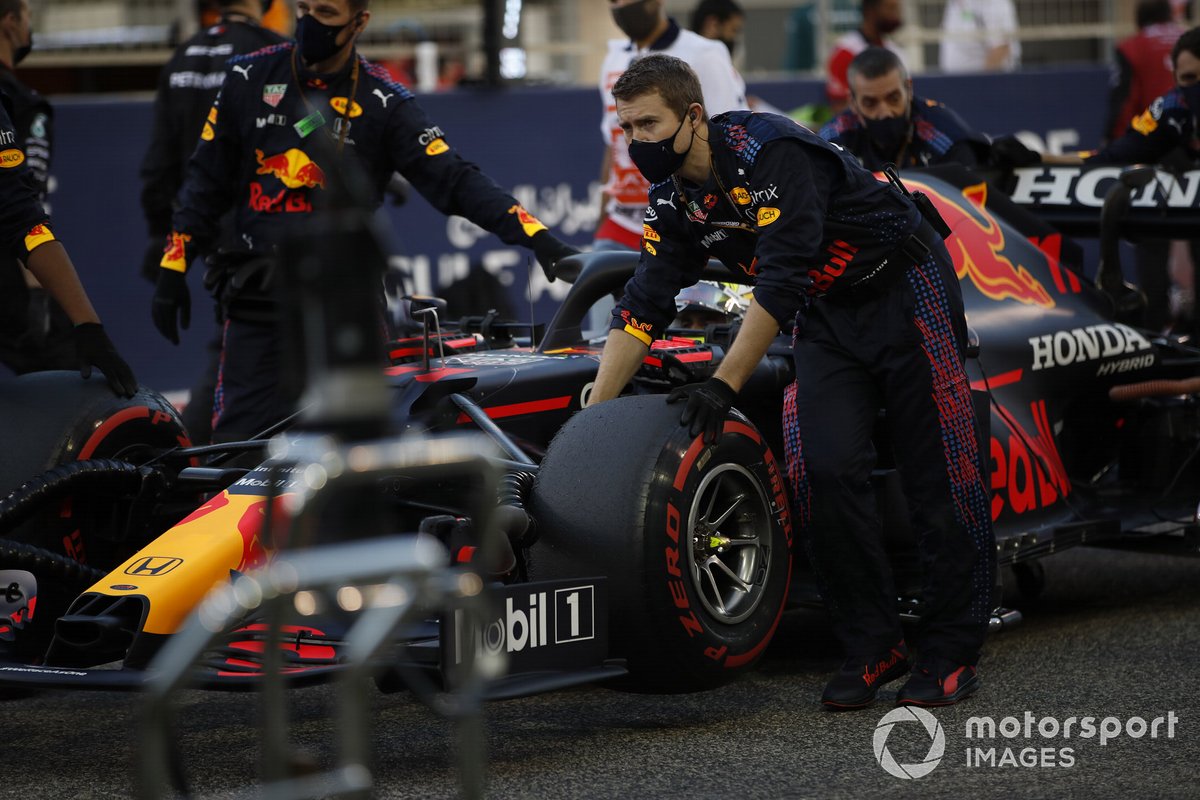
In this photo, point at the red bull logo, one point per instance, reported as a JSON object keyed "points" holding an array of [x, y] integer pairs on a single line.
{"points": [[294, 169], [977, 245], [529, 222], [175, 254], [38, 235]]}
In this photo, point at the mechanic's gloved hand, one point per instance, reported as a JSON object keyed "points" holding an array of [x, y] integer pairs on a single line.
{"points": [[549, 251], [707, 405], [171, 300], [1009, 152], [152, 258], [95, 349]]}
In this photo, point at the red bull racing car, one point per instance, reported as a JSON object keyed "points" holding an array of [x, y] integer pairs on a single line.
{"points": [[628, 548]]}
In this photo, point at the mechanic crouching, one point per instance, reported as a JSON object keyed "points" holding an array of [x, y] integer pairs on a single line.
{"points": [[867, 285], [259, 155]]}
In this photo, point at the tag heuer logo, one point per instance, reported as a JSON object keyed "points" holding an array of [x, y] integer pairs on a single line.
{"points": [[273, 93]]}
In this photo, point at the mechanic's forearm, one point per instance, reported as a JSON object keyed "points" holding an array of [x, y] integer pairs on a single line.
{"points": [[623, 353], [51, 265], [758, 330]]}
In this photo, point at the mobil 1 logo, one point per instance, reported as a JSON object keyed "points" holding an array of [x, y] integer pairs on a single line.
{"points": [[546, 625]]}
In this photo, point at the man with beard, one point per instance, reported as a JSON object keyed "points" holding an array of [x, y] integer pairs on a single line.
{"points": [[879, 19], [887, 124]]}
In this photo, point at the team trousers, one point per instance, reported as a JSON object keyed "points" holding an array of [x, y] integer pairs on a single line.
{"points": [[899, 346]]}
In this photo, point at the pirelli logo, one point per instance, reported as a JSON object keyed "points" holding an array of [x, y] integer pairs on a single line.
{"points": [[153, 566]]}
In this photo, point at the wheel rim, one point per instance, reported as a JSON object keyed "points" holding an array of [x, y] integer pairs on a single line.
{"points": [[730, 556]]}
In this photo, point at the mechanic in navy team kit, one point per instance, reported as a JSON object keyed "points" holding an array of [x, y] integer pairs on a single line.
{"points": [[258, 155], [1164, 133], [878, 317], [35, 334], [187, 87], [26, 235], [887, 124]]}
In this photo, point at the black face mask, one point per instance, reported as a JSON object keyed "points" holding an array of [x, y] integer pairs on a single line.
{"points": [[23, 51], [266, 5], [1191, 96], [636, 20], [730, 43], [658, 161], [316, 40], [889, 135]]}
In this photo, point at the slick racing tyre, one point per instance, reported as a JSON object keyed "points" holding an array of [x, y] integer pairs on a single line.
{"points": [[55, 418], [695, 540]]}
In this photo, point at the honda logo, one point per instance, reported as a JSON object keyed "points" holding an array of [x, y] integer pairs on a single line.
{"points": [[153, 566]]}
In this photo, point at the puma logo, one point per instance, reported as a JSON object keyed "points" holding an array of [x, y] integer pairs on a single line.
{"points": [[244, 70], [671, 202], [383, 98]]}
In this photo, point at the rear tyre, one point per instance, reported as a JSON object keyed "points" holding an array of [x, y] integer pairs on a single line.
{"points": [[695, 540]]}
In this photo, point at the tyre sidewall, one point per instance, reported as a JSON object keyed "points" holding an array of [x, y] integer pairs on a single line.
{"points": [[706, 650]]}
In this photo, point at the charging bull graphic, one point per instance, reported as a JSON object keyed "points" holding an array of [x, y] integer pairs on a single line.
{"points": [[294, 169], [977, 246]]}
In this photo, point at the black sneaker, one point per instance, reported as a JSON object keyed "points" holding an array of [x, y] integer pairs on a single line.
{"points": [[858, 681], [938, 682]]}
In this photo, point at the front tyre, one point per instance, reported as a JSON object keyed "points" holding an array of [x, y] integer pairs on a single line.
{"points": [[695, 539]]}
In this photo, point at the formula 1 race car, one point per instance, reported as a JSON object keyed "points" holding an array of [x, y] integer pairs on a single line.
{"points": [[628, 548]]}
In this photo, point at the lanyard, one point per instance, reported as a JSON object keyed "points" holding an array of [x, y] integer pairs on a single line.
{"points": [[315, 114], [728, 197]]}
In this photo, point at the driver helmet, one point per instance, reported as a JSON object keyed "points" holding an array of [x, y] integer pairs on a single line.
{"points": [[708, 302]]}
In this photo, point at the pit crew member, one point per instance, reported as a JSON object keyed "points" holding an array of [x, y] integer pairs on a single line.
{"points": [[187, 87], [878, 320], [257, 156], [26, 235], [35, 334], [1164, 133], [887, 123]]}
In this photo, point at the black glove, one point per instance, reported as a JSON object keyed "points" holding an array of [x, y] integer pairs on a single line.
{"points": [[1009, 152], [549, 250], [171, 300], [707, 405], [152, 258], [96, 349]]}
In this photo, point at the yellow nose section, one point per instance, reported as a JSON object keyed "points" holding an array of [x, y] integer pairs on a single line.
{"points": [[177, 569]]}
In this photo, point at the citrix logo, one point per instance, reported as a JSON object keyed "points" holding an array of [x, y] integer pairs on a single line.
{"points": [[937, 746]]}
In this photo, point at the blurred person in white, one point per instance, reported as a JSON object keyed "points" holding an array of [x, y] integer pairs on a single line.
{"points": [[980, 36], [650, 30]]}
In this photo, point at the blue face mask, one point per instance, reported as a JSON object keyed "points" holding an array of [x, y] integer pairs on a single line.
{"points": [[316, 40]]}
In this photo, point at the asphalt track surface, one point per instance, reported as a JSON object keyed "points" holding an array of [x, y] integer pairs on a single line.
{"points": [[1114, 635]]}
